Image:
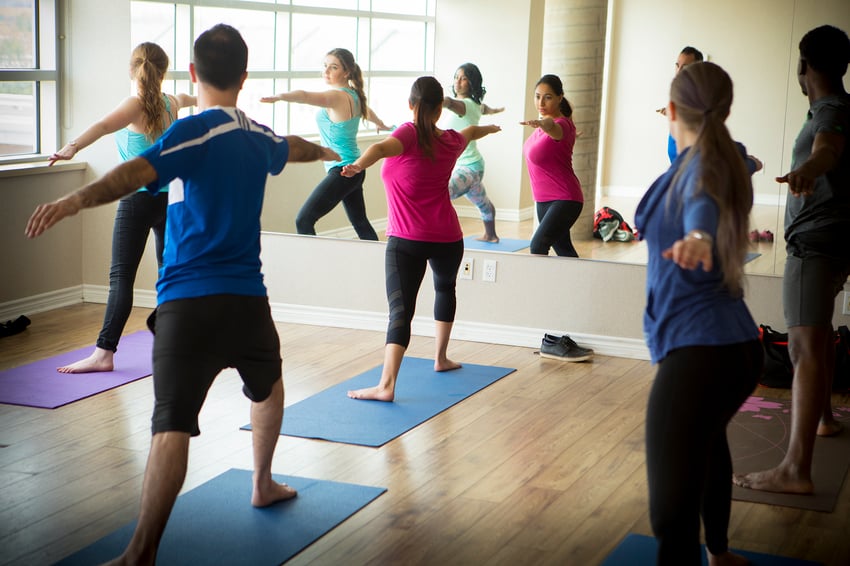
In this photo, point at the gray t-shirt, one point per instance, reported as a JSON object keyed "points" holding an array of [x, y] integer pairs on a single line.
{"points": [[824, 215]]}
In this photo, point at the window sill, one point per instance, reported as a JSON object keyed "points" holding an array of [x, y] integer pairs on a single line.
{"points": [[39, 168]]}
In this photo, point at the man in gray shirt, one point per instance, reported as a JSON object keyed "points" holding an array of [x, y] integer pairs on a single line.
{"points": [[817, 224]]}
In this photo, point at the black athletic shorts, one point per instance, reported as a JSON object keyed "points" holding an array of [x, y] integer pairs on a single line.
{"points": [[194, 339]]}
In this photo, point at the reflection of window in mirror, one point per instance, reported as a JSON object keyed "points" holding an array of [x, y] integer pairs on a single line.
{"points": [[287, 45]]}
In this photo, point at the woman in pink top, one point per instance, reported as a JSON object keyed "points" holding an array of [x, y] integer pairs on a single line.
{"points": [[549, 156], [422, 225]]}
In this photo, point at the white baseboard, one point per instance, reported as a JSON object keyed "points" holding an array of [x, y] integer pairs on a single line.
{"points": [[344, 318], [506, 214], [99, 293], [41, 303], [348, 232], [471, 331]]}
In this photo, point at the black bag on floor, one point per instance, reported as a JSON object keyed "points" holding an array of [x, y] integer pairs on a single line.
{"points": [[778, 370]]}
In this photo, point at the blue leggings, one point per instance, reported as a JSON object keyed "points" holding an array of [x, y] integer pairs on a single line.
{"points": [[696, 392], [137, 215], [467, 181], [334, 189], [405, 263], [556, 219]]}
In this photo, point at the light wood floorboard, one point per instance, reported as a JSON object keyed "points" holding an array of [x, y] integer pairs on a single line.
{"points": [[546, 466]]}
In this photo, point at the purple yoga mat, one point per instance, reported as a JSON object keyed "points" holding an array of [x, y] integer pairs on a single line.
{"points": [[39, 384]]}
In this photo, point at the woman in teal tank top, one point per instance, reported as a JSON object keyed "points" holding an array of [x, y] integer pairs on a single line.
{"points": [[466, 110], [340, 111], [137, 122]]}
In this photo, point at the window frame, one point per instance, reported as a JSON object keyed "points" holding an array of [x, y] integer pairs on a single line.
{"points": [[287, 76], [47, 40]]}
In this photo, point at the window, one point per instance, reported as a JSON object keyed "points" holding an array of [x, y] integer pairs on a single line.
{"points": [[392, 41], [28, 79]]}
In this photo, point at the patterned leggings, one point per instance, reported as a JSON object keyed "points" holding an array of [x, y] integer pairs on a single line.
{"points": [[467, 181]]}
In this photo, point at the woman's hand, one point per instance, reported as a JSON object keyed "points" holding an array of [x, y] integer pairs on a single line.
{"points": [[691, 251], [533, 123], [67, 152], [350, 170], [274, 98]]}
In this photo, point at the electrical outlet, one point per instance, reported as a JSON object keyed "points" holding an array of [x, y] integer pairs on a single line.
{"points": [[489, 273], [466, 268], [845, 309]]}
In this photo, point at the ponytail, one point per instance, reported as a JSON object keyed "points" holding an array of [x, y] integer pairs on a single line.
{"points": [[426, 98], [355, 76], [702, 94], [148, 65]]}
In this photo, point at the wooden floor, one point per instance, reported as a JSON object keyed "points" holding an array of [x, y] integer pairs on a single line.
{"points": [[546, 466], [770, 259]]}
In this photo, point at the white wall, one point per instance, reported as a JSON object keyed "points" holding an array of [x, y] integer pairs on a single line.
{"points": [[754, 41], [341, 282]]}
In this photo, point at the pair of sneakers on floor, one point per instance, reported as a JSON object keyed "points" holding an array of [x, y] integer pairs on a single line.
{"points": [[563, 348]]}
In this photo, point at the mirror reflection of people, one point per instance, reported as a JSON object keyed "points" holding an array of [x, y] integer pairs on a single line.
{"points": [[699, 331], [687, 56], [340, 110], [422, 225], [549, 157], [466, 110], [137, 122], [817, 220], [213, 309]]}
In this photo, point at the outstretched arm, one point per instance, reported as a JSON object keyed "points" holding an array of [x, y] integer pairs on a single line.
{"points": [[472, 133], [185, 100], [120, 181], [387, 147], [490, 110], [123, 115], [326, 99], [826, 154], [372, 117], [300, 151], [548, 125], [455, 105]]}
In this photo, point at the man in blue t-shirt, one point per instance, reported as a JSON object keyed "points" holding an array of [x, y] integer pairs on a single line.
{"points": [[817, 221], [212, 307], [687, 56]]}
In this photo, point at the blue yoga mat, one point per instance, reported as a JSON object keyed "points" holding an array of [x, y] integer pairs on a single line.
{"points": [[751, 256], [504, 245], [216, 524], [421, 393], [639, 550]]}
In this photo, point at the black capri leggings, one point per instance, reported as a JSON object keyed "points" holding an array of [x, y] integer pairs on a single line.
{"points": [[405, 263], [556, 219], [696, 392]]}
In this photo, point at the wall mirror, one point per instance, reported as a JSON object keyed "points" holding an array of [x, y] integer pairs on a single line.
{"points": [[629, 137]]}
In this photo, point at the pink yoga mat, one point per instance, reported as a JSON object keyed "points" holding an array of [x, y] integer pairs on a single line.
{"points": [[39, 384]]}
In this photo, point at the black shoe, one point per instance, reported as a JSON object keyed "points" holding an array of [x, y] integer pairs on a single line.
{"points": [[563, 348], [17, 326]]}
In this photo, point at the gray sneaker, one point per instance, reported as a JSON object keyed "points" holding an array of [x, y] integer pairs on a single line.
{"points": [[563, 348]]}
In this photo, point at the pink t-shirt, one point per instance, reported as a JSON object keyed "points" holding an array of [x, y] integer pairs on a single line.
{"points": [[550, 164], [418, 203]]}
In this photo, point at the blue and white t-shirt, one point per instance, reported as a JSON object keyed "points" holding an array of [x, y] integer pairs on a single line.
{"points": [[217, 163]]}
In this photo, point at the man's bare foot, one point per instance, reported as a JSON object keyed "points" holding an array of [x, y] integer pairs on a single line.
{"points": [[446, 365], [726, 559], [492, 238], [776, 480], [271, 492], [100, 360], [830, 428], [376, 393]]}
